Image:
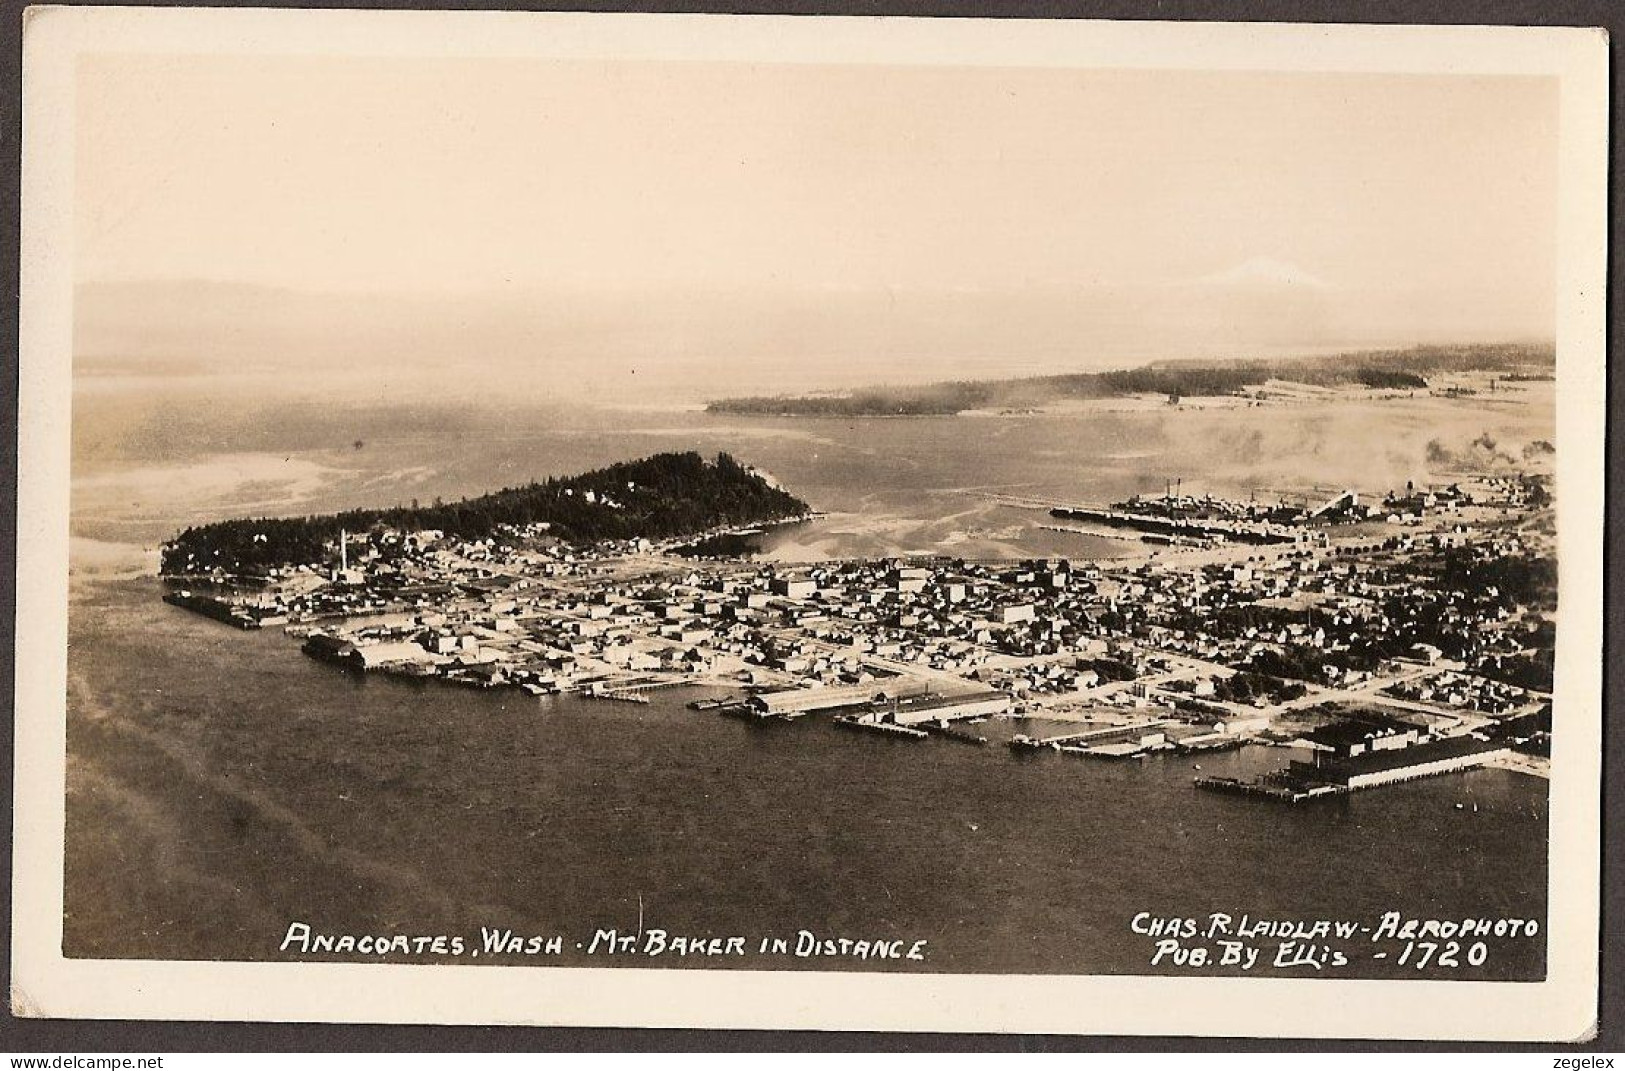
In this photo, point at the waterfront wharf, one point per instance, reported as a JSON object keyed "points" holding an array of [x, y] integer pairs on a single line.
{"points": [[1093, 532], [1101, 735], [1267, 789], [632, 690], [953, 732], [745, 709], [1176, 527], [852, 722], [618, 697]]}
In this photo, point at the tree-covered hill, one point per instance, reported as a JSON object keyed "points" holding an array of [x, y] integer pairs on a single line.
{"points": [[1377, 369], [666, 495]]}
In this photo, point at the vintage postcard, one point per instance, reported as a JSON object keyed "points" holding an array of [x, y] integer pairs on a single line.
{"points": [[840, 523]]}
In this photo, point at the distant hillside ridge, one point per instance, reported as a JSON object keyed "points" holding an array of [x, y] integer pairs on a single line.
{"points": [[1405, 369], [664, 496]]}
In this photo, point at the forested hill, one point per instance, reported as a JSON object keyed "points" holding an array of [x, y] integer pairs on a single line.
{"points": [[657, 497], [1406, 369]]}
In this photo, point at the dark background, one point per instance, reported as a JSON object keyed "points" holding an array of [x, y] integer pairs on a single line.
{"points": [[47, 1036]]}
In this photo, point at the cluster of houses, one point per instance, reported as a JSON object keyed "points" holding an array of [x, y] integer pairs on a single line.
{"points": [[1464, 690], [522, 609], [1343, 620]]}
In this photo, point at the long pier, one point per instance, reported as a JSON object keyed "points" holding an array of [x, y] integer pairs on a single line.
{"points": [[1103, 733], [849, 722], [1174, 527], [630, 691], [953, 732], [1087, 532], [1451, 755], [1267, 789], [212, 607]]}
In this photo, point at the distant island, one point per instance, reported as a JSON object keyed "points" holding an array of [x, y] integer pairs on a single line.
{"points": [[665, 496], [1406, 369]]}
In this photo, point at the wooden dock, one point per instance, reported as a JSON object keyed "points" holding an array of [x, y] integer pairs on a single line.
{"points": [[1267, 789], [849, 722], [953, 732], [631, 690], [1099, 733]]}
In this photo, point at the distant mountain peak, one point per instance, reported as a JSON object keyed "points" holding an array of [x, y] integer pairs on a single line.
{"points": [[1265, 272]]}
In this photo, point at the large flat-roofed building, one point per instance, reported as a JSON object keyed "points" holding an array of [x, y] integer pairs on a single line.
{"points": [[805, 700], [909, 579], [1403, 764], [947, 707], [1350, 739], [396, 653], [1013, 615], [881, 703], [795, 587]]}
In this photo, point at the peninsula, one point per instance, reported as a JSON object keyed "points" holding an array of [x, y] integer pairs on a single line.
{"points": [[659, 497], [1373, 370]]}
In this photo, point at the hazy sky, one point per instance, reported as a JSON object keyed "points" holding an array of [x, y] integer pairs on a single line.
{"points": [[567, 208]]}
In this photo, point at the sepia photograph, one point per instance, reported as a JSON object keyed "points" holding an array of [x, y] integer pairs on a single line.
{"points": [[828, 523]]}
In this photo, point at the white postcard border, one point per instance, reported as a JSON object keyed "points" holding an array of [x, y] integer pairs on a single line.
{"points": [[1562, 1008]]}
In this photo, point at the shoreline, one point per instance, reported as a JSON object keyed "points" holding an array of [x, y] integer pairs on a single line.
{"points": [[1537, 766]]}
